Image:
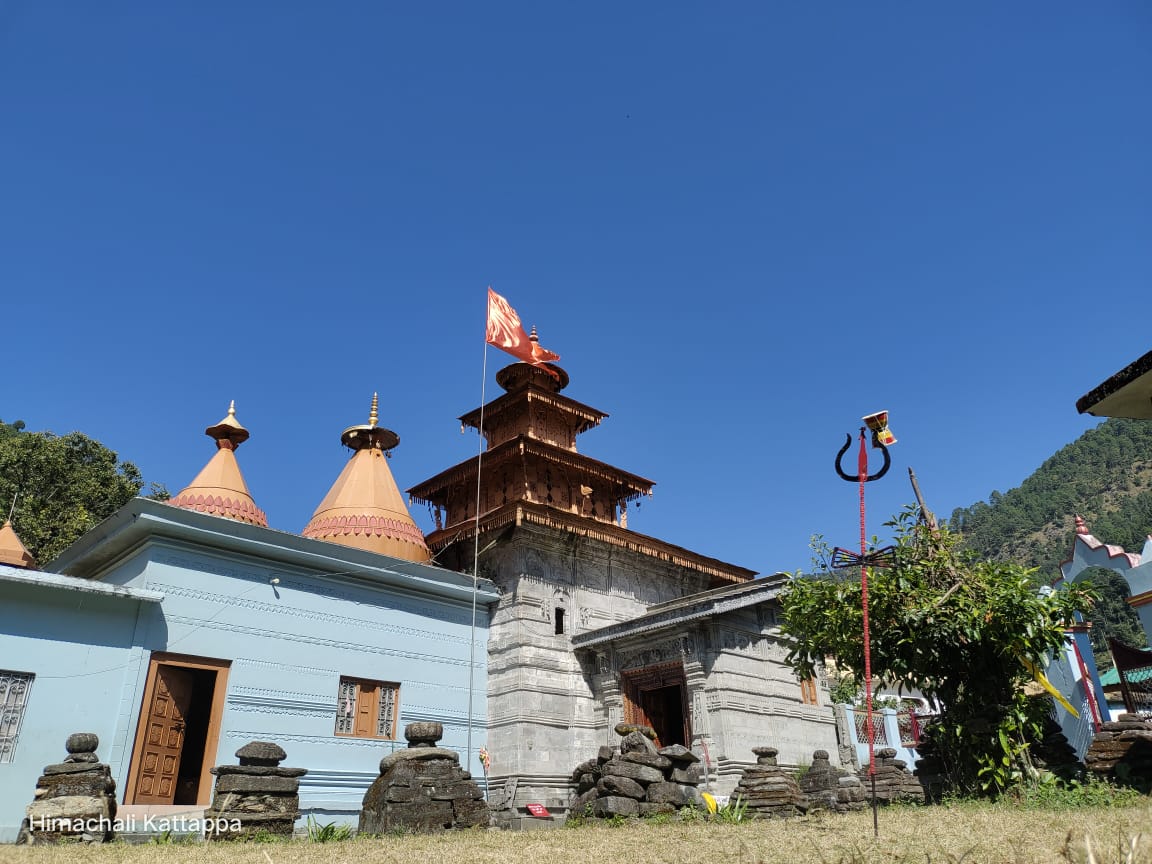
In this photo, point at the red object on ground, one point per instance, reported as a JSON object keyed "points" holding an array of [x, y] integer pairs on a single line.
{"points": [[538, 810]]}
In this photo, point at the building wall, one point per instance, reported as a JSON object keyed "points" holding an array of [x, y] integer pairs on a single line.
{"points": [[543, 719], [549, 709], [289, 644], [80, 648], [740, 693]]}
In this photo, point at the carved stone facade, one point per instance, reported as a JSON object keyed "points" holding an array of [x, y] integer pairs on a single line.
{"points": [[597, 624]]}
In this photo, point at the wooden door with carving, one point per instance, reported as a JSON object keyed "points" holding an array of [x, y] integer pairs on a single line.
{"points": [[164, 736], [655, 696]]}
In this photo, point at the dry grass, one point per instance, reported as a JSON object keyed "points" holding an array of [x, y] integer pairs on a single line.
{"points": [[935, 835]]}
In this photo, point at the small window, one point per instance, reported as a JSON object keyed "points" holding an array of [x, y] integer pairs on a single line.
{"points": [[14, 687], [559, 620], [808, 691], [367, 709]]}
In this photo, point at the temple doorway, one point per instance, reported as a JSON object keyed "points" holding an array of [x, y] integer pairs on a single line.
{"points": [[656, 696], [178, 731]]}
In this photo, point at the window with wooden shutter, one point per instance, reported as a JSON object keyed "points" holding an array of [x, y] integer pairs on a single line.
{"points": [[808, 691], [367, 709]]}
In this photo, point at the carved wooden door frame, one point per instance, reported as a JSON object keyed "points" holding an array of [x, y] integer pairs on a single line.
{"points": [[212, 740], [635, 682]]}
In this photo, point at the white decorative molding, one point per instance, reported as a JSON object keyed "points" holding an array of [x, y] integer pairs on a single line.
{"points": [[341, 621], [343, 645]]}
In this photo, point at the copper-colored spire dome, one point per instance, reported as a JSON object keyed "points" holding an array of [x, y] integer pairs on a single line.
{"points": [[12, 551], [364, 508], [220, 489]]}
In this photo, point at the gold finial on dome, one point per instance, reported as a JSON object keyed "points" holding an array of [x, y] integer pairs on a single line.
{"points": [[371, 434], [229, 434]]}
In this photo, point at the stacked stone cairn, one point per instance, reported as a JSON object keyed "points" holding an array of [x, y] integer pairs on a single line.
{"points": [[257, 795], [75, 800], [423, 789], [931, 771], [769, 790], [1122, 752], [1053, 752], [636, 779], [894, 782], [831, 788]]}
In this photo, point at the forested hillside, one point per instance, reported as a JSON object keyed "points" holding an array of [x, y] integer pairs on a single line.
{"points": [[1104, 476]]}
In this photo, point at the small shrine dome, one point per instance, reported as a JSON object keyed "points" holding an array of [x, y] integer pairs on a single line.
{"points": [[12, 551], [364, 508], [219, 489]]}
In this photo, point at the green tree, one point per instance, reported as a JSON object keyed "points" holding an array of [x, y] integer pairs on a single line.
{"points": [[63, 485], [959, 629]]}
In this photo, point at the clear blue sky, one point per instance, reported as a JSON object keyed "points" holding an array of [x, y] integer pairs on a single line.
{"points": [[742, 225]]}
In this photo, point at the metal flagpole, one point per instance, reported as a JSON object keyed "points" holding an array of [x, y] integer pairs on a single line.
{"points": [[476, 558]]}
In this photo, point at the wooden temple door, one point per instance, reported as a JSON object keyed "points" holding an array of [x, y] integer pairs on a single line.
{"points": [[655, 696], [164, 736]]}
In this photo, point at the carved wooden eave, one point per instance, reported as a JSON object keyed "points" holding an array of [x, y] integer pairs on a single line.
{"points": [[625, 485], [583, 417], [676, 613], [520, 513]]}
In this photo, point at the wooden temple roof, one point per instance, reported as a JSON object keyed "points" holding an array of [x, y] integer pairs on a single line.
{"points": [[585, 416], [520, 513], [627, 486]]}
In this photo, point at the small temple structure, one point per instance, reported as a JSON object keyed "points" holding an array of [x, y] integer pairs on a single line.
{"points": [[598, 624], [12, 551], [219, 489], [364, 508]]}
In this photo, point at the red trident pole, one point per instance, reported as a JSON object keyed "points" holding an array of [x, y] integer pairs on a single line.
{"points": [[862, 474], [882, 437]]}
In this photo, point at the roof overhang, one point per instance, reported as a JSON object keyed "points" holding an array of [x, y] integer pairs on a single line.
{"points": [[624, 485], [525, 514], [1128, 393], [677, 613], [57, 582], [143, 521]]}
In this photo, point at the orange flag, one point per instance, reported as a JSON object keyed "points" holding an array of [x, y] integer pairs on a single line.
{"points": [[507, 333]]}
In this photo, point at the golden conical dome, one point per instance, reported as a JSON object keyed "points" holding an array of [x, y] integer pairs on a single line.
{"points": [[364, 508], [12, 551], [220, 489]]}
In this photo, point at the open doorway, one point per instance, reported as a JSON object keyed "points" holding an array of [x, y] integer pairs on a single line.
{"points": [[178, 731], [656, 696]]}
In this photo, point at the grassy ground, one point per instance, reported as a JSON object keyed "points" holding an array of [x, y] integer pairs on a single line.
{"points": [[968, 833]]}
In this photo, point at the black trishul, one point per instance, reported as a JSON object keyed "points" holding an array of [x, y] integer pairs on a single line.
{"points": [[855, 478]]}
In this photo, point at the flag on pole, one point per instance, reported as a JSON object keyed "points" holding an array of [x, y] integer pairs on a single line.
{"points": [[507, 333]]}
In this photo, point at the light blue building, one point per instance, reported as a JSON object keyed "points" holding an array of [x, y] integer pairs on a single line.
{"points": [[178, 636]]}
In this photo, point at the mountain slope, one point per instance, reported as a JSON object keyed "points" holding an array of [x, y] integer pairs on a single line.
{"points": [[1105, 476]]}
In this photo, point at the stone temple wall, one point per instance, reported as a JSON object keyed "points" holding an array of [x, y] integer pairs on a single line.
{"points": [[548, 707], [543, 717]]}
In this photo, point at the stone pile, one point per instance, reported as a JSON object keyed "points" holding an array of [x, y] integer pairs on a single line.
{"points": [[1122, 752], [636, 779], [1053, 752], [931, 772], [831, 788], [768, 789], [75, 800], [894, 782], [422, 789], [255, 797]]}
